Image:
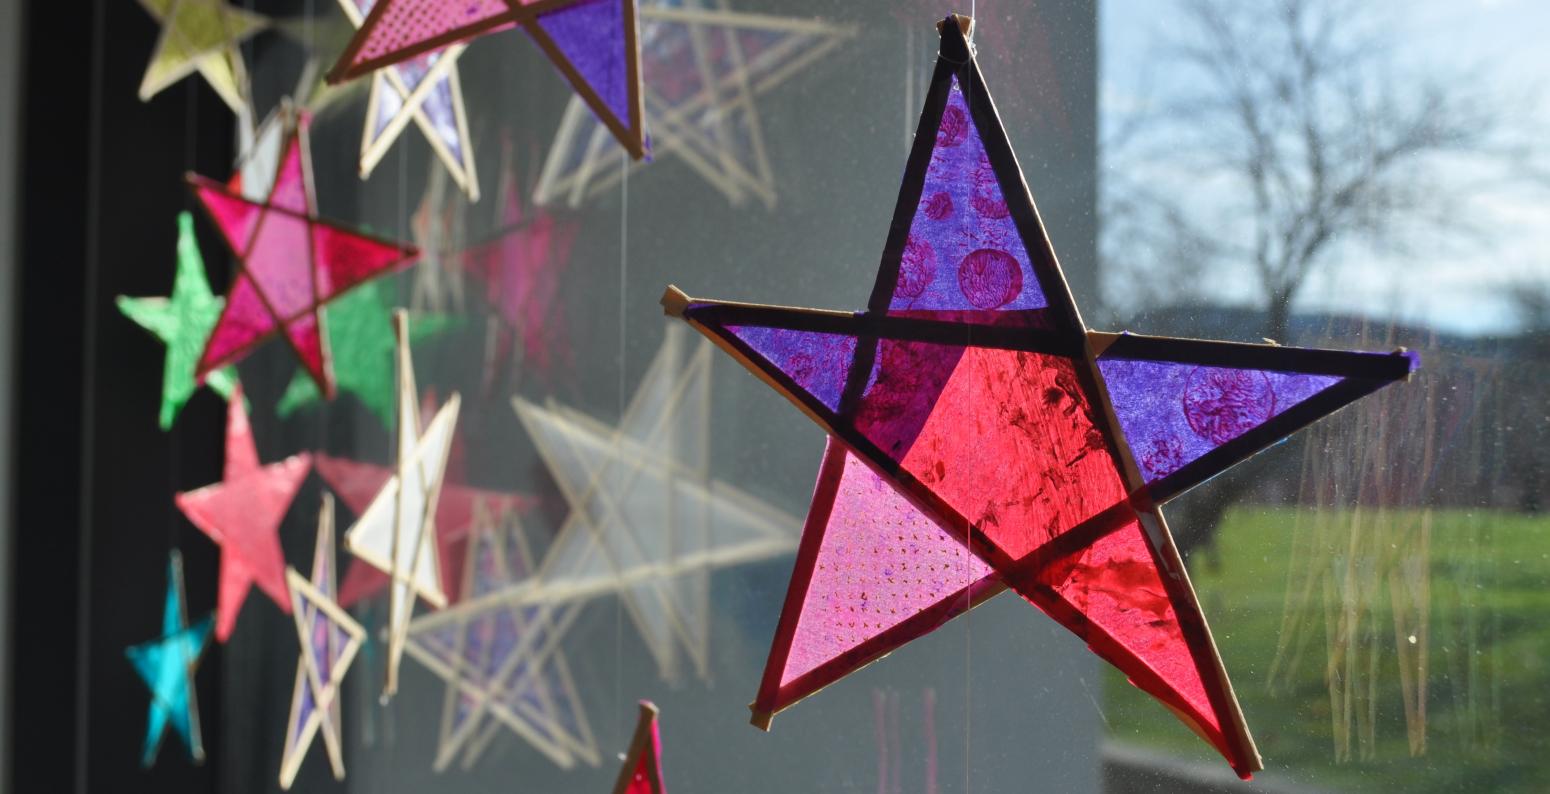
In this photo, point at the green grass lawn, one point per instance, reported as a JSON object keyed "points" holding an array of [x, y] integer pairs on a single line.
{"points": [[1486, 583]]}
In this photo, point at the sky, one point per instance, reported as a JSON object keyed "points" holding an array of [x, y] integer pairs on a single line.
{"points": [[1461, 288]]}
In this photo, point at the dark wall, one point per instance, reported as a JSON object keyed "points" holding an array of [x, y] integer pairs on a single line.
{"points": [[101, 186]]}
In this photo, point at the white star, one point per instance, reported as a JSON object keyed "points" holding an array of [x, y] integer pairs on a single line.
{"points": [[393, 534], [647, 520]]}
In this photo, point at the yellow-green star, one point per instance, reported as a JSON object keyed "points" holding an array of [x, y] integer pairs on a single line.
{"points": [[200, 35], [360, 330], [182, 323]]}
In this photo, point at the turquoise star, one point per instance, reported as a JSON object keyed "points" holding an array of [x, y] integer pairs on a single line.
{"points": [[182, 323], [360, 329], [167, 666]]}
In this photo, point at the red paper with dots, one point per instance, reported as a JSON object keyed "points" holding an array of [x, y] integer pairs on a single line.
{"points": [[406, 23], [880, 562]]}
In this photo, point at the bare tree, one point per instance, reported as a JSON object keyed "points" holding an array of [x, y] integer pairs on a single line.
{"points": [[1292, 134], [1297, 133]]}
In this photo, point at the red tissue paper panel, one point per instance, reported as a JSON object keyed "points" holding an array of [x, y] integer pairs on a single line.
{"points": [[290, 263]]}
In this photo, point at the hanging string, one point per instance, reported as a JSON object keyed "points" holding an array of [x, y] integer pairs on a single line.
{"points": [[89, 389], [624, 264], [190, 162]]}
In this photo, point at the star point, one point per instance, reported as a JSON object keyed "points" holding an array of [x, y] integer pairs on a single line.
{"points": [[641, 772], [970, 403]]}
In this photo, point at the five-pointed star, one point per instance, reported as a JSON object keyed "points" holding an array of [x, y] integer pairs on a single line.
{"points": [[394, 533], [182, 323], [458, 514], [290, 262], [520, 268], [360, 333], [427, 90], [242, 514], [200, 35], [167, 666], [647, 520], [986, 415], [703, 65], [592, 42], [329, 640], [503, 663], [641, 772]]}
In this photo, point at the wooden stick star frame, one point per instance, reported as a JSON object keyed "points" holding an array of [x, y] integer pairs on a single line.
{"points": [[651, 554], [375, 144], [571, 178], [487, 710], [325, 713], [395, 532], [1054, 330], [645, 751], [629, 131]]}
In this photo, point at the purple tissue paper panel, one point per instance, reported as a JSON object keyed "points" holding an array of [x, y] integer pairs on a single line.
{"points": [[818, 362], [1173, 413], [591, 36], [963, 252]]}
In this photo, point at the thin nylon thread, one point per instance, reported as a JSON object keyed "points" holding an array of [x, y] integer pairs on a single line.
{"points": [[624, 263], [190, 159]]}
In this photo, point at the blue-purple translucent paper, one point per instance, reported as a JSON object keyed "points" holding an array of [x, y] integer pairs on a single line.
{"points": [[501, 652], [818, 362], [963, 251], [437, 105], [1174, 413], [591, 36], [327, 640]]}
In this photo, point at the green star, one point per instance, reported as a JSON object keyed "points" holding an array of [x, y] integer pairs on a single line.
{"points": [[360, 335], [182, 323]]}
